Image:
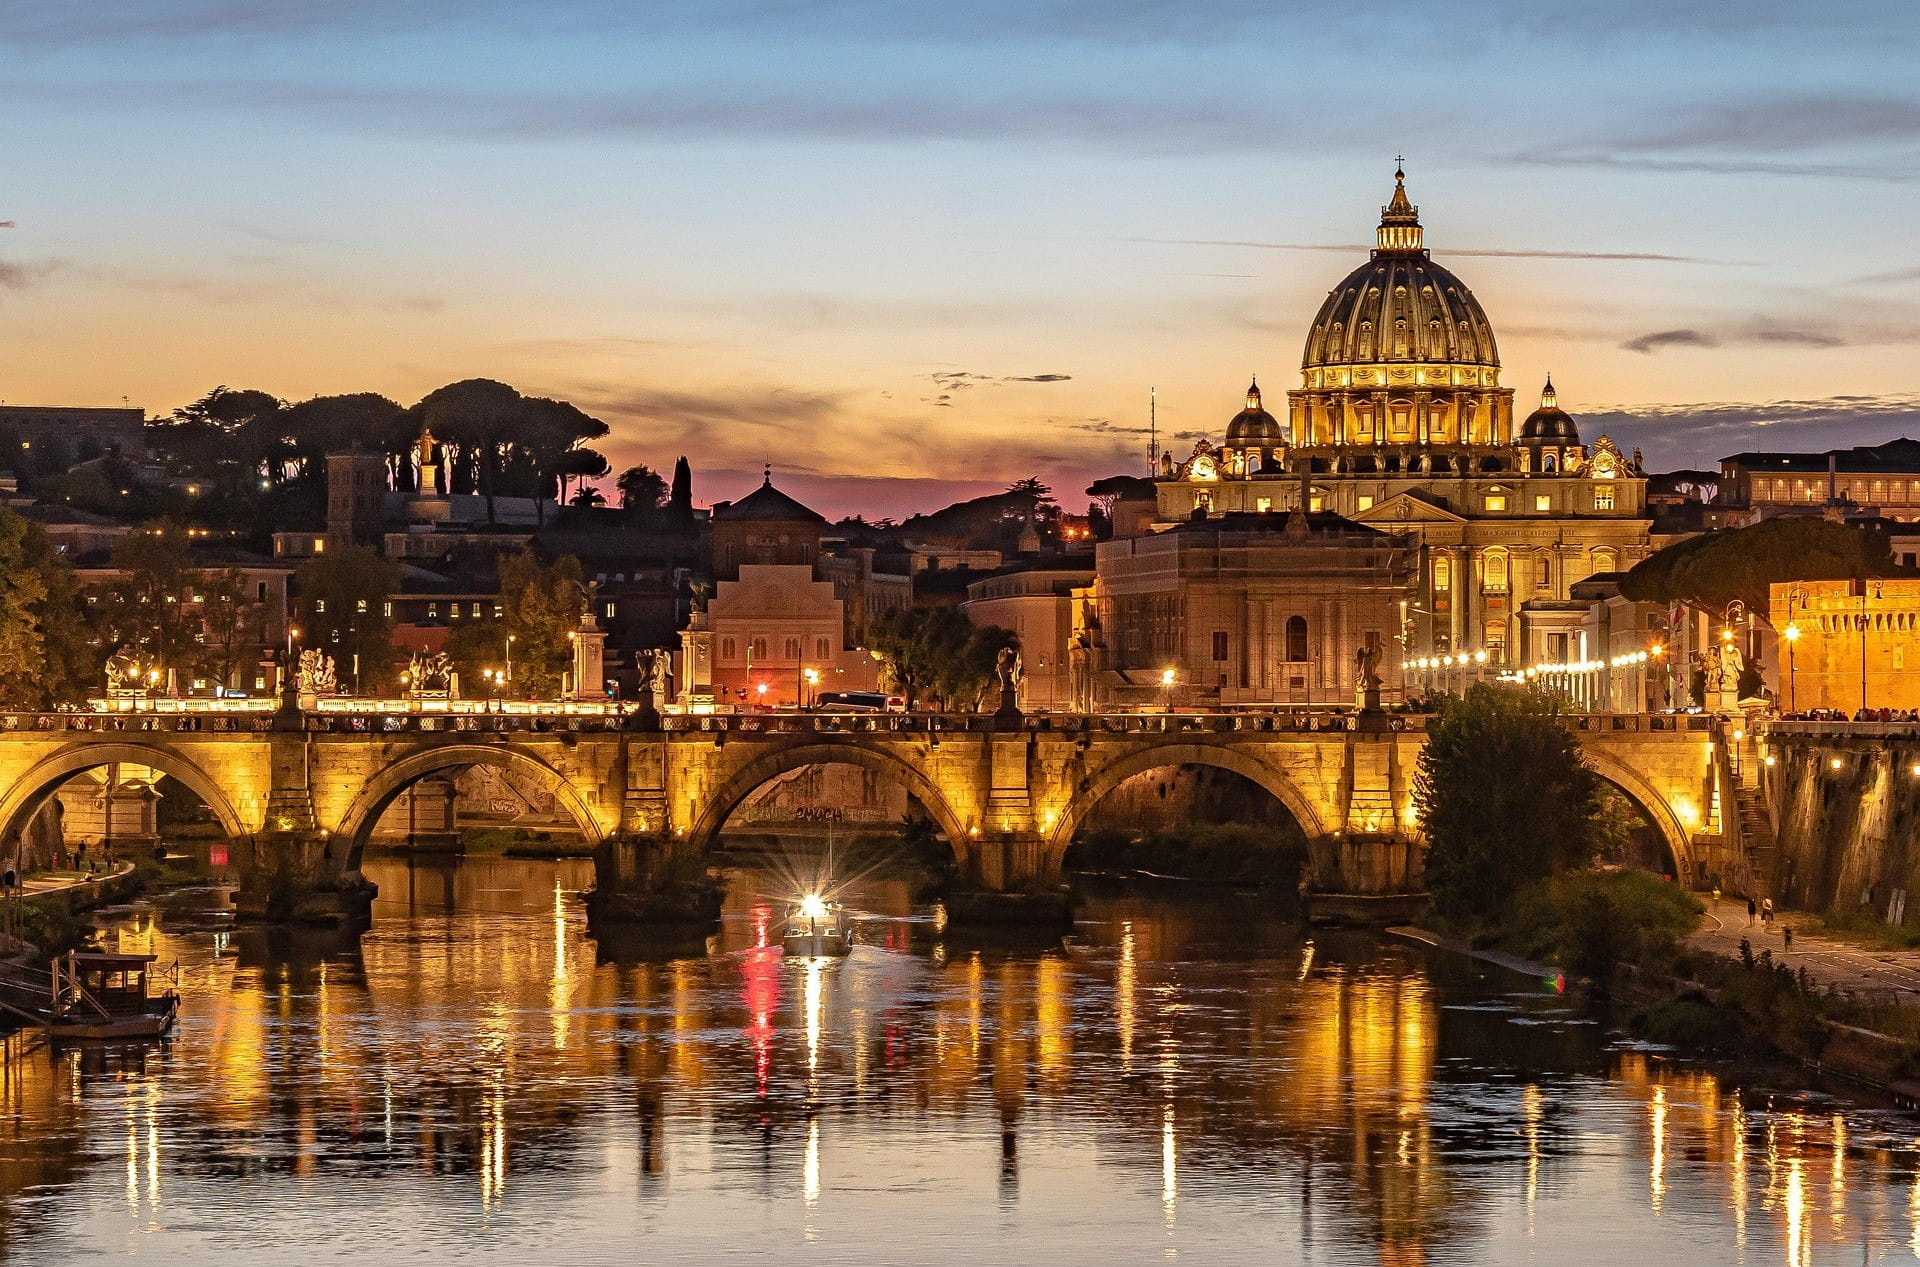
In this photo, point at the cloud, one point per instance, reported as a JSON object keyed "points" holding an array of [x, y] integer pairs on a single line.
{"points": [[15, 275], [1360, 248], [6, 224], [1761, 334], [961, 380], [1686, 435], [1890, 278]]}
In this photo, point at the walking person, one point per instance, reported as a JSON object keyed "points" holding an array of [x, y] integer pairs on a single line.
{"points": [[1766, 911], [1753, 911], [1787, 934]]}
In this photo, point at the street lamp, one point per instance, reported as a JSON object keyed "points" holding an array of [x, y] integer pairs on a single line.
{"points": [[812, 679], [1792, 634], [508, 679], [1167, 677]]}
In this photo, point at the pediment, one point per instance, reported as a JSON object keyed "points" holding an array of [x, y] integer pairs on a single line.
{"points": [[1405, 508]]}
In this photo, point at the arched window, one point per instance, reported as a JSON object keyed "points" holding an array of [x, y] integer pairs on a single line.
{"points": [[1605, 560], [1297, 639], [1496, 572], [1442, 575]]}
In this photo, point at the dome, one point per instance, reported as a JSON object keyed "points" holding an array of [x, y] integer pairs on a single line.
{"points": [[1400, 308], [1549, 424], [1253, 427]]}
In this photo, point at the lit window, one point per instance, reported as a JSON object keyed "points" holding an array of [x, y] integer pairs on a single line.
{"points": [[1317, 503], [319, 606], [433, 611], [319, 545], [360, 606], [476, 611], [1263, 505], [609, 609], [1366, 501], [1542, 501], [1603, 499], [1496, 501], [1496, 571], [1442, 575], [386, 609]]}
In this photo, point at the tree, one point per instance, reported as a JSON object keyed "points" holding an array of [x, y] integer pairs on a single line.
{"points": [[22, 589], [342, 608], [641, 488], [935, 654], [580, 465], [680, 499], [150, 606], [71, 657], [230, 620], [1710, 571], [542, 603], [1504, 798]]}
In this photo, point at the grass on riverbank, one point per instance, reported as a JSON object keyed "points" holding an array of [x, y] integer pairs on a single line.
{"points": [[1863, 928], [1227, 852]]}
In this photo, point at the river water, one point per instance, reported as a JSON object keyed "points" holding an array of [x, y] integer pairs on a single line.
{"points": [[475, 1079]]}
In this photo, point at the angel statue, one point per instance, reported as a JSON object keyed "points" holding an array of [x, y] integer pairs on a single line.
{"points": [[430, 672], [1366, 664], [1008, 667], [131, 669]]}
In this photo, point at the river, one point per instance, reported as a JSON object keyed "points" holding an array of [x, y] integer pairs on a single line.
{"points": [[476, 1079]]}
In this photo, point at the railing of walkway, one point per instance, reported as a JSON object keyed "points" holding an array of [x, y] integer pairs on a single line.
{"points": [[398, 720]]}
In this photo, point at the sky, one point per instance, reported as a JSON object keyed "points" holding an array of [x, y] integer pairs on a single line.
{"points": [[909, 252]]}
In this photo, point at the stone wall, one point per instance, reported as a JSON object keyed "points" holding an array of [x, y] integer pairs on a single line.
{"points": [[1846, 813]]}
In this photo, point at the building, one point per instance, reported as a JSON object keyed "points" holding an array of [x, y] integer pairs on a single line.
{"points": [[1241, 610], [1848, 645], [65, 434], [1035, 600], [1401, 424], [1882, 480], [776, 631]]}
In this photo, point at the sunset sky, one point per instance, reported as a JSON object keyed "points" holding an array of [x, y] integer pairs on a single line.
{"points": [[907, 252]]}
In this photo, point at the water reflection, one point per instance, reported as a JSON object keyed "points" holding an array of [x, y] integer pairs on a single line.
{"points": [[1185, 1079]]}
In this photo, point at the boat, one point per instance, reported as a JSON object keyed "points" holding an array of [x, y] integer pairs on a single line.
{"points": [[93, 996], [817, 929]]}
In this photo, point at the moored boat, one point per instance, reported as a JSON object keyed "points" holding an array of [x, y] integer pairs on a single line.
{"points": [[93, 996]]}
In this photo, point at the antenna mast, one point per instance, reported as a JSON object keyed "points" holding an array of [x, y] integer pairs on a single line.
{"points": [[1153, 431]]}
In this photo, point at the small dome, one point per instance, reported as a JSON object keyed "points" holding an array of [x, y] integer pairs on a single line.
{"points": [[1549, 424], [1253, 427]]}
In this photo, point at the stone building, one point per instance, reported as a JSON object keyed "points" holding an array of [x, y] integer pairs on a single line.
{"points": [[1036, 601], [1848, 645], [1401, 423], [1247, 610], [1882, 479]]}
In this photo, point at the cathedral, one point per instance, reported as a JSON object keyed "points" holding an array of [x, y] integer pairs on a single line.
{"points": [[1400, 424]]}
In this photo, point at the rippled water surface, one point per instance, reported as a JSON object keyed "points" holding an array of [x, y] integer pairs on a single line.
{"points": [[477, 1079]]}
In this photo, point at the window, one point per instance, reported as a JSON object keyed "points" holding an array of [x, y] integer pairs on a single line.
{"points": [[1264, 505], [1496, 501], [433, 611], [1542, 501], [360, 606], [820, 649], [1496, 571], [1220, 645], [758, 650], [608, 610], [1296, 639], [726, 649], [1317, 503], [1203, 500], [1543, 576], [476, 611], [1496, 641], [319, 545], [498, 611], [1603, 499], [1442, 575], [792, 649], [1605, 560], [453, 611], [263, 592], [386, 609], [1366, 501], [319, 606]]}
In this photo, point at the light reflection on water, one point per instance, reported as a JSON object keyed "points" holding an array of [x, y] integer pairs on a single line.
{"points": [[475, 1077]]}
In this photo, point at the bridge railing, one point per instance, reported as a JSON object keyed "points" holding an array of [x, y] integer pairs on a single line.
{"points": [[1644, 723], [1845, 729]]}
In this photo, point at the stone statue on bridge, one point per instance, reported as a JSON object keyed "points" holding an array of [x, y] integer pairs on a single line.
{"points": [[131, 671], [315, 674], [430, 674]]}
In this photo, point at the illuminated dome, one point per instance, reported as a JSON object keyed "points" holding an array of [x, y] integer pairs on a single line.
{"points": [[1253, 427], [1401, 353], [1549, 424], [1400, 308]]}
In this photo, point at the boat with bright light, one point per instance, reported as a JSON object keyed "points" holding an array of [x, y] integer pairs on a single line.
{"points": [[817, 929]]}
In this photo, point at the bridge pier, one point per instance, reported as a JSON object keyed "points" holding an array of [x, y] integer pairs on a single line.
{"points": [[653, 879], [299, 877]]}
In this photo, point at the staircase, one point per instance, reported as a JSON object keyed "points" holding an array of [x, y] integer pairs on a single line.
{"points": [[1756, 833]]}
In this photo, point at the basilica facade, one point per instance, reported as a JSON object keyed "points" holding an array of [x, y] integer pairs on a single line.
{"points": [[1402, 425]]}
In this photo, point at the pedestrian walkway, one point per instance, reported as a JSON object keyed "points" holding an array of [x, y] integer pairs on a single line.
{"points": [[1828, 960], [42, 882]]}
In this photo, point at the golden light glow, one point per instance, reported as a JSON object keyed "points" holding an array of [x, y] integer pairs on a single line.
{"points": [[813, 906]]}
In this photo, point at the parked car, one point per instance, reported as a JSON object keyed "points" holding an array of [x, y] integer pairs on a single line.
{"points": [[859, 702]]}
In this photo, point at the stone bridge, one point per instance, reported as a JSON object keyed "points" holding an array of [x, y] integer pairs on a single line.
{"points": [[308, 788]]}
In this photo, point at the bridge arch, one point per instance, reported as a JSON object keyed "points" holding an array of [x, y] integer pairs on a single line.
{"points": [[1095, 787], [710, 818], [357, 824], [31, 791], [1673, 832]]}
